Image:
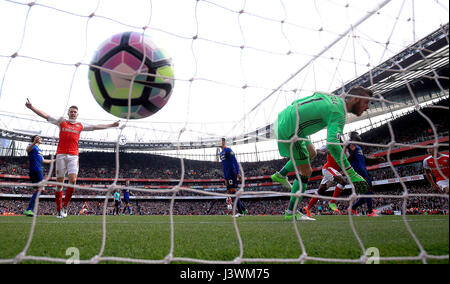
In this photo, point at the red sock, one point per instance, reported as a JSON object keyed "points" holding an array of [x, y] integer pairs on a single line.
{"points": [[312, 202], [69, 192], [337, 191], [58, 199]]}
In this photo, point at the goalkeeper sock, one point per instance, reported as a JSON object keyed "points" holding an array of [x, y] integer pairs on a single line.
{"points": [[68, 196], [295, 188], [288, 168]]}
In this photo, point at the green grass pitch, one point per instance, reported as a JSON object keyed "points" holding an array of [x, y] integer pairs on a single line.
{"points": [[215, 238]]}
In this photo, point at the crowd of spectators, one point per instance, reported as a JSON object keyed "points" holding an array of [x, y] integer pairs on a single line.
{"points": [[254, 169], [144, 166], [151, 187], [402, 171], [256, 206], [410, 128], [389, 205], [148, 166], [159, 167]]}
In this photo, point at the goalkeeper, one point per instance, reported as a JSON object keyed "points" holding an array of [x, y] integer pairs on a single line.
{"points": [[316, 112]]}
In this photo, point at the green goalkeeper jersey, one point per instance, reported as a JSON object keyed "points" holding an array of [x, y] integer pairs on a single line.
{"points": [[316, 112]]}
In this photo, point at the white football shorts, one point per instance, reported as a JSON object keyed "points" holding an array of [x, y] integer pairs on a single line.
{"points": [[66, 164], [328, 175], [442, 184]]}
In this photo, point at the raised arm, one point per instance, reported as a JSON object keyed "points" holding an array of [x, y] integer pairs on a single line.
{"points": [[36, 111], [37, 140], [101, 126], [30, 147]]}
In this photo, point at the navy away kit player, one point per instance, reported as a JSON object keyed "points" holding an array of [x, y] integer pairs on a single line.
{"points": [[126, 199], [36, 174], [231, 174]]}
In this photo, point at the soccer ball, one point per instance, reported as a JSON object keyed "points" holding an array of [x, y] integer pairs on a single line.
{"points": [[119, 69]]}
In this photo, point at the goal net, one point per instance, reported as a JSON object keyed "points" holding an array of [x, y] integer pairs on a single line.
{"points": [[237, 65]]}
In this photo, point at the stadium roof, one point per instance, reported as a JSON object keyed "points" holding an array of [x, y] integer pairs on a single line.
{"points": [[419, 60], [427, 59]]}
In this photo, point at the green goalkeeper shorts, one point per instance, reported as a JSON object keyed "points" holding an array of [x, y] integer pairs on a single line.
{"points": [[300, 154]]}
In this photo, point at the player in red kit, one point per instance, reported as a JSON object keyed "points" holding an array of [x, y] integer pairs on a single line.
{"points": [[67, 151], [229, 204], [437, 167], [331, 174], [84, 209]]}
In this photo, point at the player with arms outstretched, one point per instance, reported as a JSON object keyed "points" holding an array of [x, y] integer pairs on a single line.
{"points": [[67, 151], [231, 174], [307, 116], [330, 174], [432, 165], [36, 172]]}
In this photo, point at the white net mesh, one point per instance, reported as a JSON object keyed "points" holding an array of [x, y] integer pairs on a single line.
{"points": [[237, 64]]}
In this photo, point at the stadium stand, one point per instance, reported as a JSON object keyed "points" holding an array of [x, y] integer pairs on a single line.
{"points": [[160, 172]]}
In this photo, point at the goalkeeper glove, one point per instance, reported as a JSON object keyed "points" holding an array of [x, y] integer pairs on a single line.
{"points": [[361, 185]]}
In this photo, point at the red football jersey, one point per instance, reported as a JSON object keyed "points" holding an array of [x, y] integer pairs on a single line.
{"points": [[69, 135], [433, 165], [331, 163]]}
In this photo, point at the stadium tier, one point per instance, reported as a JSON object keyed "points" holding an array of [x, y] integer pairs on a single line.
{"points": [[157, 176]]}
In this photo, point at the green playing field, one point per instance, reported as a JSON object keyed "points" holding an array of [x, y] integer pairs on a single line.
{"points": [[214, 238]]}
